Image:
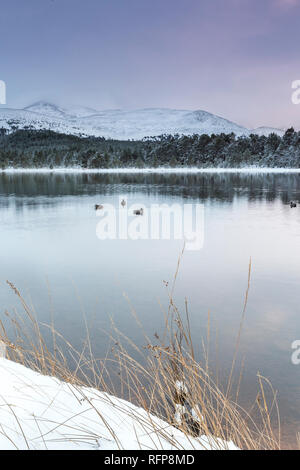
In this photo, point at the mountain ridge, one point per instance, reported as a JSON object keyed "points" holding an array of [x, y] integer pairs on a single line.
{"points": [[122, 124]]}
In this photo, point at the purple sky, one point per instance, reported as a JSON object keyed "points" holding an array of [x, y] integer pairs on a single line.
{"points": [[235, 58]]}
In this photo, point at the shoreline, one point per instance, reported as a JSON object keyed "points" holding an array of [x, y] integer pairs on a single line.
{"points": [[159, 170], [72, 417]]}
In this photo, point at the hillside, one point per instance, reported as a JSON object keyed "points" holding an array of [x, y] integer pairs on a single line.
{"points": [[120, 124]]}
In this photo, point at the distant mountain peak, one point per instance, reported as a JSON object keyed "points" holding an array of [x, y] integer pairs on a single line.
{"points": [[267, 131], [50, 109], [42, 103], [43, 107]]}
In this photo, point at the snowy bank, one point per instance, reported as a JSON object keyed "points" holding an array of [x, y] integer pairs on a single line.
{"points": [[161, 170], [41, 412]]}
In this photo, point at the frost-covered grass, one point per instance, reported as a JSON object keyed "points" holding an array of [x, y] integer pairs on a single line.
{"points": [[172, 400]]}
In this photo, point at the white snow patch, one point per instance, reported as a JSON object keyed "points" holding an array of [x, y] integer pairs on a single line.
{"points": [[181, 387], [41, 412], [180, 411]]}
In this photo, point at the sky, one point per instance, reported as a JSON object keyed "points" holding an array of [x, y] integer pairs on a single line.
{"points": [[234, 58]]}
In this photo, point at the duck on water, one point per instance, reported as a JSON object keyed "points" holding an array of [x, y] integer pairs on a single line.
{"points": [[139, 211]]}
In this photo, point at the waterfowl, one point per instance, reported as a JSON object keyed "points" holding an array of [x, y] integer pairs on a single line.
{"points": [[139, 212], [98, 207], [293, 204], [123, 203]]}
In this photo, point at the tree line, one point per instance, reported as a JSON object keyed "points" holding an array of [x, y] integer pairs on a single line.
{"points": [[40, 149]]}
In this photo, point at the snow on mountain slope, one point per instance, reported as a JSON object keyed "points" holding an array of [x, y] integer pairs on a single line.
{"points": [[51, 110], [21, 119], [267, 131], [119, 124], [80, 111], [47, 109]]}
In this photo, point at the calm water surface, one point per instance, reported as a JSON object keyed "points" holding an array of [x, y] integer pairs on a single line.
{"points": [[50, 251]]}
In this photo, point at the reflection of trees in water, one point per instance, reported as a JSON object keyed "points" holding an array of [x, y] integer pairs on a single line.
{"points": [[223, 187]]}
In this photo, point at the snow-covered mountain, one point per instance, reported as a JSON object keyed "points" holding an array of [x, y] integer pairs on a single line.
{"points": [[267, 131], [120, 124], [48, 109]]}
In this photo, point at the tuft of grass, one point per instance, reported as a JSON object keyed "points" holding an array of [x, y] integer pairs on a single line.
{"points": [[167, 381]]}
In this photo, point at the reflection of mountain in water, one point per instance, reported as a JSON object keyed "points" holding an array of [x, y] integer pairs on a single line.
{"points": [[223, 187]]}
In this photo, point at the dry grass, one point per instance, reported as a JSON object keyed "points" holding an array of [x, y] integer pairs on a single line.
{"points": [[167, 379]]}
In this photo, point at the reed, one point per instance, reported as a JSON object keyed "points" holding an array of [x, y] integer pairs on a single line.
{"points": [[164, 377]]}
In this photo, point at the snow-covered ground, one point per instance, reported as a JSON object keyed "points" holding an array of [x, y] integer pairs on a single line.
{"points": [[120, 124], [40, 412], [251, 170]]}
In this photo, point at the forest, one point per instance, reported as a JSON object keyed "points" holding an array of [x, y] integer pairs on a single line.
{"points": [[47, 149]]}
